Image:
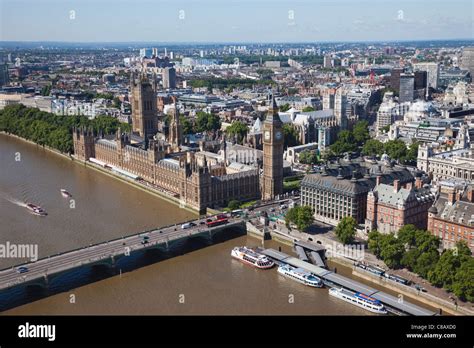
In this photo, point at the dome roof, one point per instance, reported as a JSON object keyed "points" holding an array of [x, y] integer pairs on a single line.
{"points": [[433, 210]]}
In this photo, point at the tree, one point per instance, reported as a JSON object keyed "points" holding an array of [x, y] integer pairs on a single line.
{"points": [[292, 91], [285, 107], [108, 96], [308, 109], [52, 130], [391, 250], [409, 259], [412, 153], [290, 135], [239, 129], [265, 73], [301, 216], [207, 122], [374, 242], [396, 149], [461, 248], [422, 254], [426, 262], [308, 157], [444, 273], [233, 204], [426, 242], [346, 229], [186, 125], [406, 234], [463, 286], [372, 147], [387, 247], [445, 269], [60, 139], [361, 132], [345, 143], [326, 154]]}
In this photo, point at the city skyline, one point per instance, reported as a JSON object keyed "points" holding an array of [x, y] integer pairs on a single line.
{"points": [[264, 21]]}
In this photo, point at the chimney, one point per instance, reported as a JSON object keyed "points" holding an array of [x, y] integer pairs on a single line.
{"points": [[378, 180], [409, 186], [458, 195], [452, 197], [418, 182], [396, 185], [470, 194]]}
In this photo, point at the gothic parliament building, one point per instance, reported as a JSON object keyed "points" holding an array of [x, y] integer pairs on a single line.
{"points": [[197, 178]]}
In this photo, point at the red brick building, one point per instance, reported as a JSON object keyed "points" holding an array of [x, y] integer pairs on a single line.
{"points": [[389, 207], [451, 217]]}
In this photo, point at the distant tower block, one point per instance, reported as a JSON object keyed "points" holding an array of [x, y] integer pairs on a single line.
{"points": [[169, 78], [144, 105], [272, 181]]}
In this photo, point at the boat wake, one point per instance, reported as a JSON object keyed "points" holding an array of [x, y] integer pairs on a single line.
{"points": [[12, 200]]}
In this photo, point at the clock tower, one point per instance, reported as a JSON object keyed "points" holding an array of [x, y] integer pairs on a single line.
{"points": [[272, 181]]}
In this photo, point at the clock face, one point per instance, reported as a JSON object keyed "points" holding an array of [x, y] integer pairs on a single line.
{"points": [[267, 135], [278, 135]]}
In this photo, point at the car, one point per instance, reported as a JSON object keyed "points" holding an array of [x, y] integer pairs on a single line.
{"points": [[22, 269], [420, 288], [272, 210], [202, 222], [187, 225]]}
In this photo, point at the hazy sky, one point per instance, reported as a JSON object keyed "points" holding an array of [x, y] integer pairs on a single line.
{"points": [[234, 20]]}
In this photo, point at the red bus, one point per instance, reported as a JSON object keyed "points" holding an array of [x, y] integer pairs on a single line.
{"points": [[217, 222]]}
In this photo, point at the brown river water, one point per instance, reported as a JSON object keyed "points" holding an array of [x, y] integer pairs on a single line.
{"points": [[207, 281]]}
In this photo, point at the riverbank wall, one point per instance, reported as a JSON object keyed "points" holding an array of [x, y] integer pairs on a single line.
{"points": [[124, 180]]}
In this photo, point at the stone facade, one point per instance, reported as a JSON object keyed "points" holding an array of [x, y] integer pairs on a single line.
{"points": [[455, 163], [144, 105], [196, 185], [272, 181], [341, 190]]}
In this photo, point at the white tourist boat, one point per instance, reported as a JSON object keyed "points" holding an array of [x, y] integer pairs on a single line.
{"points": [[251, 257], [65, 193], [300, 275], [358, 299], [36, 210]]}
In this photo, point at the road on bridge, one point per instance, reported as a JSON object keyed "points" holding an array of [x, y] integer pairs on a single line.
{"points": [[94, 253]]}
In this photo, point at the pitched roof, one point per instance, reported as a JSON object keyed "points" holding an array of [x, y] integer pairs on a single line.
{"points": [[386, 194], [460, 212], [355, 178]]}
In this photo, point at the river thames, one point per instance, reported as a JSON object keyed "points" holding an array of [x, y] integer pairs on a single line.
{"points": [[207, 281]]}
